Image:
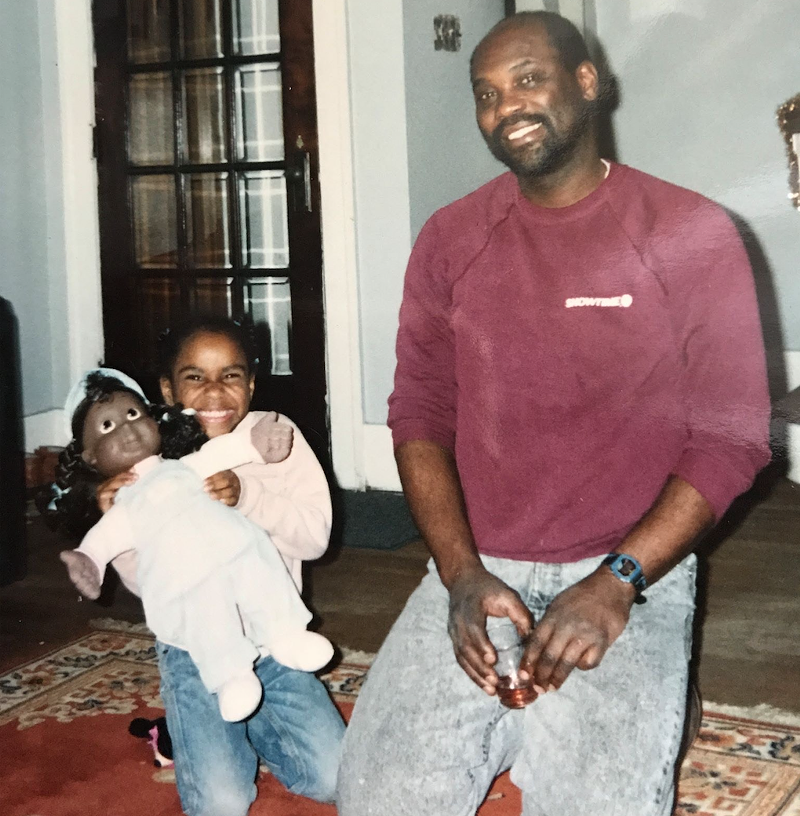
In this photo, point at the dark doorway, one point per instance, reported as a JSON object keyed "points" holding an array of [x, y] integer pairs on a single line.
{"points": [[208, 184]]}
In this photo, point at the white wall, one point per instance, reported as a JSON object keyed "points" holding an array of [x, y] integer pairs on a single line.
{"points": [[415, 149], [701, 81], [447, 158], [48, 197], [28, 176], [380, 170]]}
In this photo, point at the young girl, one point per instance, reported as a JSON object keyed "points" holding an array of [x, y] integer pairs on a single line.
{"points": [[209, 365], [212, 581]]}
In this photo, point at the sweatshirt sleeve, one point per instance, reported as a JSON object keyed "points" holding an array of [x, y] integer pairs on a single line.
{"points": [[290, 500], [222, 453], [713, 303], [423, 403], [110, 537]]}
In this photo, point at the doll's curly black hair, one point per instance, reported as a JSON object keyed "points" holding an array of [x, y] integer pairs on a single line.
{"points": [[70, 503]]}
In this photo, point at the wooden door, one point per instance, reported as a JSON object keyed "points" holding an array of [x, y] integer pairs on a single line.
{"points": [[209, 200]]}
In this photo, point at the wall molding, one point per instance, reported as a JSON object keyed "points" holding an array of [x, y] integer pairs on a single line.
{"points": [[380, 469]]}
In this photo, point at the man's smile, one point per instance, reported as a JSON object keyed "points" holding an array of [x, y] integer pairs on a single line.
{"points": [[520, 130], [519, 134]]}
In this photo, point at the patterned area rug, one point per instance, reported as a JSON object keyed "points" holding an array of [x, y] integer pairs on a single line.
{"points": [[64, 747]]}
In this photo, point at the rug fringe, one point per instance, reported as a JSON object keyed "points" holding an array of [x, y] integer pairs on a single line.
{"points": [[763, 712], [355, 656], [114, 625]]}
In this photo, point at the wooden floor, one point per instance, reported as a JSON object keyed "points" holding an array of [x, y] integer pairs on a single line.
{"points": [[748, 648]]}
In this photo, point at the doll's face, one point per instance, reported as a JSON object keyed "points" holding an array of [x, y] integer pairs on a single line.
{"points": [[118, 433]]}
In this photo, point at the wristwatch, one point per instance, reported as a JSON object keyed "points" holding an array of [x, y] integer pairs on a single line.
{"points": [[627, 569]]}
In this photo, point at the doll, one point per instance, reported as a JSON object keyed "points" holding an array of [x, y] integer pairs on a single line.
{"points": [[211, 581]]}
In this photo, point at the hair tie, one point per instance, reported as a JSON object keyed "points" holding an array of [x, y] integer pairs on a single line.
{"points": [[57, 494]]}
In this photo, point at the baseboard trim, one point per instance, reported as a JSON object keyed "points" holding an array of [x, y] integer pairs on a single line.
{"points": [[380, 469]]}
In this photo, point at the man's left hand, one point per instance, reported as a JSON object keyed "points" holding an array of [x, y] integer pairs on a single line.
{"points": [[577, 629]]}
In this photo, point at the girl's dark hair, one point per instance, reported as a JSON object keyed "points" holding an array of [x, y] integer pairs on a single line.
{"points": [[70, 503], [172, 341]]}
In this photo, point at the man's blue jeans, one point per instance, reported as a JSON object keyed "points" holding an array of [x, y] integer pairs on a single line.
{"points": [[297, 732], [425, 740]]}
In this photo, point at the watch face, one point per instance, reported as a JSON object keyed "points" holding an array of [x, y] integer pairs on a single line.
{"points": [[626, 567]]}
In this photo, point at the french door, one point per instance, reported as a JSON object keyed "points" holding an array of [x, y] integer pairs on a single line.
{"points": [[209, 200]]}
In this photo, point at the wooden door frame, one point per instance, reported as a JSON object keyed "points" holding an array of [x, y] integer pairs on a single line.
{"points": [[72, 41]]}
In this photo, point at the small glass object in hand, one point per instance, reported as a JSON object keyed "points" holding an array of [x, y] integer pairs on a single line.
{"points": [[511, 691]]}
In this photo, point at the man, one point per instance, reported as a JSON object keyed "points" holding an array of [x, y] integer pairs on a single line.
{"points": [[580, 393]]}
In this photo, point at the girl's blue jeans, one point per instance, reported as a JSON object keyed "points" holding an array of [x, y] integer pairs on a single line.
{"points": [[296, 732]]}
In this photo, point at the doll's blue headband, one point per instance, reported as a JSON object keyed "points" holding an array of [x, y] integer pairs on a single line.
{"points": [[77, 393]]}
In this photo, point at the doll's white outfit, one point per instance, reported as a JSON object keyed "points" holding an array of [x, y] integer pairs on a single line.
{"points": [[212, 582]]}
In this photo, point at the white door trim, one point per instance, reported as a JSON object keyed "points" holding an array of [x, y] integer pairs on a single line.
{"points": [[75, 54], [340, 279]]}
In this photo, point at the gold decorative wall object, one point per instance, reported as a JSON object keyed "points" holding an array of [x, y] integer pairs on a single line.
{"points": [[789, 123]]}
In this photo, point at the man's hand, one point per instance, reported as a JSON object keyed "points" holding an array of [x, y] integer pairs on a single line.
{"points": [[107, 491], [474, 595], [83, 573], [224, 487], [272, 439], [577, 629]]}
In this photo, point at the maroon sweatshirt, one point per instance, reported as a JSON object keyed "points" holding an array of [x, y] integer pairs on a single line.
{"points": [[575, 358]]}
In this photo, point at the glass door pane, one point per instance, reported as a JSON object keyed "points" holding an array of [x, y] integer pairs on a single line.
{"points": [[154, 221], [264, 226], [148, 30], [207, 233], [150, 129], [259, 113], [201, 29], [212, 296], [255, 27], [268, 302], [203, 103]]}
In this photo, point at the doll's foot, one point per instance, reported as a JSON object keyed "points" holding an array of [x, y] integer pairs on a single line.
{"points": [[239, 697], [306, 651], [83, 573]]}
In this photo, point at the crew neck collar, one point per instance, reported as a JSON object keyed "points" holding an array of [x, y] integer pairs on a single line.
{"points": [[585, 205]]}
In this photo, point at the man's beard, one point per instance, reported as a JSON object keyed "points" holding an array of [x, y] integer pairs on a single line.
{"points": [[551, 153]]}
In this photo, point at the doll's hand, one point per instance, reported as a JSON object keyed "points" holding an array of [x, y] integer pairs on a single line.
{"points": [[224, 486], [272, 439], [83, 573], [107, 491]]}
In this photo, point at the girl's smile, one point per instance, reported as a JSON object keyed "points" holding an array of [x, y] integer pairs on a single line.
{"points": [[211, 376]]}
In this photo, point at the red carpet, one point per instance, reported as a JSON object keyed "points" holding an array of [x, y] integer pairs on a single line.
{"points": [[65, 750]]}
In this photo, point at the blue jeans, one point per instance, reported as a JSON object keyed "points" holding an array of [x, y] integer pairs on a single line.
{"points": [[424, 739], [296, 731]]}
